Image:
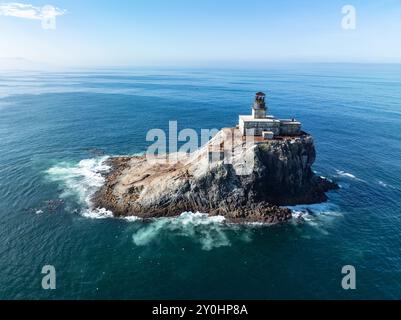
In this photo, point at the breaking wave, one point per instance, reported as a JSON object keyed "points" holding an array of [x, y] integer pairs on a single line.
{"points": [[347, 175], [209, 232], [316, 215], [81, 181]]}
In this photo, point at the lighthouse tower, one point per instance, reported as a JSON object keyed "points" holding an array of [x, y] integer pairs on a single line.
{"points": [[259, 109], [261, 124]]}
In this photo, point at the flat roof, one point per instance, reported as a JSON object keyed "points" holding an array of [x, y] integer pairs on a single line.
{"points": [[290, 122], [251, 119], [270, 119]]}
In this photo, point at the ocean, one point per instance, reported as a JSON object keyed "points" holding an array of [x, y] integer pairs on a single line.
{"points": [[58, 128]]}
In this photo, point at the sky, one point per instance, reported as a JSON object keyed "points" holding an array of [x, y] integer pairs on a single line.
{"points": [[104, 33]]}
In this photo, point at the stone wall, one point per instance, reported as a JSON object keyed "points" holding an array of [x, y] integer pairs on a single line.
{"points": [[290, 128], [259, 127]]}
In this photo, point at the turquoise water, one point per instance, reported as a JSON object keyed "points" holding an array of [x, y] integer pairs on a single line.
{"points": [[57, 128]]}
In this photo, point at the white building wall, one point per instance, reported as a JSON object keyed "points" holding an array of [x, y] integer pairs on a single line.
{"points": [[261, 126]]}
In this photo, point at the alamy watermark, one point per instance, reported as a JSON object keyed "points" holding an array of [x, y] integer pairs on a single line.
{"points": [[49, 279], [46, 14], [210, 147], [349, 280], [49, 14], [348, 21]]}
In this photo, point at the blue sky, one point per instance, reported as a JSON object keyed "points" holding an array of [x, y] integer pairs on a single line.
{"points": [[204, 32]]}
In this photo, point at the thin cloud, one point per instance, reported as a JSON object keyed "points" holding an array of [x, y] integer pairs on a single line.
{"points": [[28, 11]]}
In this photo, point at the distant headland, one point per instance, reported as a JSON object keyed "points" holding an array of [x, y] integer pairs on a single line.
{"points": [[246, 174]]}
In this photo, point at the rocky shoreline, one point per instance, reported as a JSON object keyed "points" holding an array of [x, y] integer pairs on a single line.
{"points": [[281, 176]]}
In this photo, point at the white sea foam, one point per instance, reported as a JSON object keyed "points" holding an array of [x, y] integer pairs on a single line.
{"points": [[383, 184], [345, 174], [209, 232], [82, 180], [348, 175], [131, 219], [316, 215], [98, 213], [386, 185]]}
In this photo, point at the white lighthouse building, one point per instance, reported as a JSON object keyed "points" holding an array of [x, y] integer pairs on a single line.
{"points": [[264, 125]]}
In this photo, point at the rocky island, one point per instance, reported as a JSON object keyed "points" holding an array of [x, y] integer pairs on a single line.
{"points": [[246, 174]]}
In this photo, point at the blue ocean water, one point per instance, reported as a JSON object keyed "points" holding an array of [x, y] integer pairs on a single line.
{"points": [[56, 128]]}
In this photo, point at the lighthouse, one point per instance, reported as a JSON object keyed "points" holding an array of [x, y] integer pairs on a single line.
{"points": [[259, 109], [261, 124]]}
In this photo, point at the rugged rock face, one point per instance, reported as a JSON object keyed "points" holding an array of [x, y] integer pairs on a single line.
{"points": [[281, 175]]}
